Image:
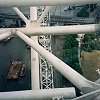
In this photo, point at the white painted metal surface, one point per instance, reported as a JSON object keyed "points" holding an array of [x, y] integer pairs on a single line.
{"points": [[14, 3], [90, 89], [44, 94], [20, 14], [57, 30], [79, 81], [62, 30], [4, 30], [35, 75], [33, 14], [35, 80], [5, 35]]}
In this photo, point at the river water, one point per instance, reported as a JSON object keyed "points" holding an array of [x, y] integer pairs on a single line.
{"points": [[14, 49]]}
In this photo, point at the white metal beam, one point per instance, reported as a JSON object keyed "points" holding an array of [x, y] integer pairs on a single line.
{"points": [[44, 94], [78, 80], [5, 35], [20, 14], [35, 79], [34, 55], [33, 13], [15, 3], [62, 30], [56, 30], [4, 30], [47, 9]]}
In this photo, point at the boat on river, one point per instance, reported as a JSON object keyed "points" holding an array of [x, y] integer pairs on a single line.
{"points": [[16, 70]]}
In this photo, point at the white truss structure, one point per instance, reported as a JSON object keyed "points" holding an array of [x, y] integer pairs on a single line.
{"points": [[90, 90], [46, 69]]}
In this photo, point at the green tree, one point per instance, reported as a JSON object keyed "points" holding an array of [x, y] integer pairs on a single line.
{"points": [[77, 67], [75, 59], [71, 51], [90, 42], [74, 51]]}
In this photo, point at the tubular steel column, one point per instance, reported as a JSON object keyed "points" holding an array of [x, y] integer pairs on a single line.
{"points": [[34, 55], [5, 35], [20, 14], [43, 94], [12, 3]]}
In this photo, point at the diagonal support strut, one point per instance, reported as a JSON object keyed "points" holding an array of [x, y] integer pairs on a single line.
{"points": [[78, 80]]}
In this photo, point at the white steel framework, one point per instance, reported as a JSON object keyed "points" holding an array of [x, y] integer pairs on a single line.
{"points": [[55, 30], [90, 90], [43, 94], [35, 83], [14, 3], [46, 69]]}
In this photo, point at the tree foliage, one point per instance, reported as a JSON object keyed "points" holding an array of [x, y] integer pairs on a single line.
{"points": [[70, 54], [90, 42], [70, 57]]}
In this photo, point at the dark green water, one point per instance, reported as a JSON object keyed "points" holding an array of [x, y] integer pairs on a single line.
{"points": [[14, 49]]}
